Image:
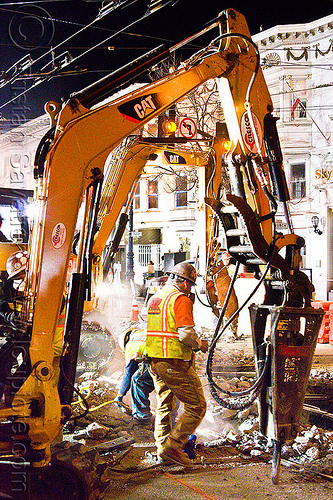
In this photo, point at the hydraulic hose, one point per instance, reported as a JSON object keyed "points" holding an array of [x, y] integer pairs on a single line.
{"points": [[215, 388]]}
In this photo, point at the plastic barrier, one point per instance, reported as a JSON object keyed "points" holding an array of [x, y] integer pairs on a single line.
{"points": [[327, 324]]}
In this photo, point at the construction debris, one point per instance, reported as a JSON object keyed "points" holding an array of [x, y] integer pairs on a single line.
{"points": [[111, 433]]}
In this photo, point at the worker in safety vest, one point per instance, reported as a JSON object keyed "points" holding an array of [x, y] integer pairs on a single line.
{"points": [[14, 348], [136, 375], [171, 342], [16, 268]]}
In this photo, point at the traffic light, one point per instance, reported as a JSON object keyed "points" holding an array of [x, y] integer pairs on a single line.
{"points": [[167, 124], [169, 127], [222, 136]]}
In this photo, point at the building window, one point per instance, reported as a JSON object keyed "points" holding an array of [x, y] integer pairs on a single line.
{"points": [[152, 194], [144, 254], [181, 191], [298, 109], [302, 109], [136, 197], [185, 244], [297, 181]]}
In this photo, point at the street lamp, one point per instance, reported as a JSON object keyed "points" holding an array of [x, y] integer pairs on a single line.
{"points": [[315, 222]]}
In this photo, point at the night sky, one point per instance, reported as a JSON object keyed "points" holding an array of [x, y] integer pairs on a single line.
{"points": [[34, 27]]}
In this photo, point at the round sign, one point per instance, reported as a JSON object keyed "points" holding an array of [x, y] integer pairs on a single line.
{"points": [[187, 128], [247, 132], [58, 235]]}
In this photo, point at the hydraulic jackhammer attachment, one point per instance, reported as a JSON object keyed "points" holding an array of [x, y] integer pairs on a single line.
{"points": [[291, 341]]}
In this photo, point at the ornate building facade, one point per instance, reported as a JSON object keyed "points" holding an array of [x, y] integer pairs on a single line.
{"points": [[297, 62]]}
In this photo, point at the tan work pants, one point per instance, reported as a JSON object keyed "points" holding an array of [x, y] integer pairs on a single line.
{"points": [[175, 378]]}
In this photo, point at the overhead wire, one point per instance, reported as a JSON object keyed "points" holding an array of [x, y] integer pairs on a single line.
{"points": [[57, 73], [31, 2], [84, 27]]}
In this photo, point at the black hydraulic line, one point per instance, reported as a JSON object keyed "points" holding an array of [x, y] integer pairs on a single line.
{"points": [[254, 389], [121, 78], [69, 357], [235, 403], [226, 300], [258, 383], [201, 301], [218, 334], [213, 387], [41, 152]]}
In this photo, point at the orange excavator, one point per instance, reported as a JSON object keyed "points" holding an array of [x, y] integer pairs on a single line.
{"points": [[71, 162]]}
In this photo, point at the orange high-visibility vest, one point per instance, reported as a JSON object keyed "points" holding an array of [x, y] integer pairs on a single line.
{"points": [[162, 335]]}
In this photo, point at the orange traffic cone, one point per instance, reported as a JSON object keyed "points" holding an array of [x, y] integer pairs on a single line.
{"points": [[134, 311]]}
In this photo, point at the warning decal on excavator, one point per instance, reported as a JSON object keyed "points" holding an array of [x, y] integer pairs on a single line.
{"points": [[58, 235], [138, 109], [247, 132]]}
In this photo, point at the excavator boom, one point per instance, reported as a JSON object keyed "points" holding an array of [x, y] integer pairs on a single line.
{"points": [[78, 188]]}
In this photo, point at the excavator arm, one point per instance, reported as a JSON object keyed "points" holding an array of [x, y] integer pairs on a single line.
{"points": [[72, 163]]}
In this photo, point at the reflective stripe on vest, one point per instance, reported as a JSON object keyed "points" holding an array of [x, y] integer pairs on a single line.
{"points": [[162, 334]]}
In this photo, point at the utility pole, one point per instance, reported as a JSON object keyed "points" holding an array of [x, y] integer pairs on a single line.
{"points": [[130, 255]]}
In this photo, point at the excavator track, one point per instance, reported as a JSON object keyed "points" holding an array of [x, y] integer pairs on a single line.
{"points": [[75, 472]]}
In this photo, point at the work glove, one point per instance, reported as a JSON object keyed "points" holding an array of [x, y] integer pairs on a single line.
{"points": [[203, 345], [123, 407]]}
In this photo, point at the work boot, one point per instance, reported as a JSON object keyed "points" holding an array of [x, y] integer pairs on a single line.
{"points": [[148, 422], [176, 456], [142, 422], [155, 459]]}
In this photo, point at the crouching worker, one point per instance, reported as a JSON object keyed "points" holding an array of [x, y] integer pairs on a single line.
{"points": [[171, 342], [136, 375]]}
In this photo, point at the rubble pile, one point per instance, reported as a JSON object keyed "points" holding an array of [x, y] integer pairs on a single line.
{"points": [[105, 420], [106, 427], [312, 448], [321, 379]]}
